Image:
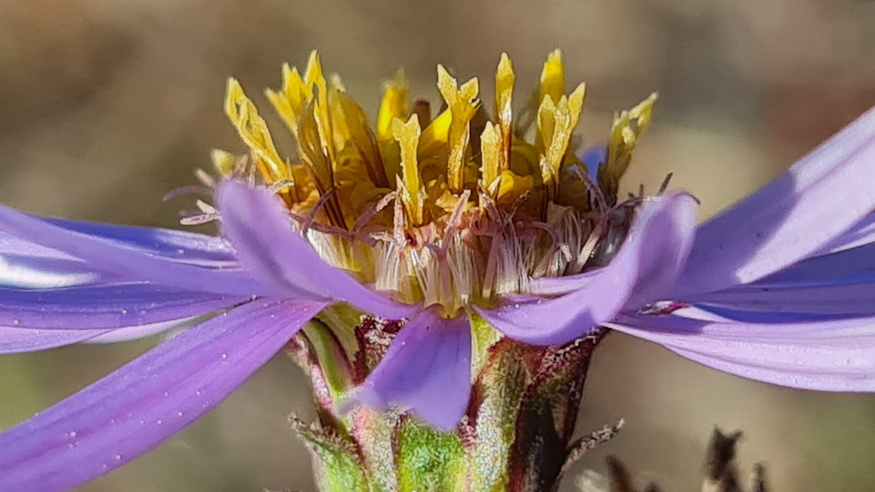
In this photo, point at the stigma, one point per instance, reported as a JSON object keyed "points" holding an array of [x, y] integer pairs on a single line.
{"points": [[455, 208]]}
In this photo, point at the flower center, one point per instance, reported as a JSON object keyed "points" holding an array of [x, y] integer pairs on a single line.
{"points": [[450, 209]]}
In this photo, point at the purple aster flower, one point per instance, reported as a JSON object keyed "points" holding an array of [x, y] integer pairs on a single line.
{"points": [[436, 221]]}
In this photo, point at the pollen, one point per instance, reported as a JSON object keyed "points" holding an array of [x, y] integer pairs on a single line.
{"points": [[451, 209]]}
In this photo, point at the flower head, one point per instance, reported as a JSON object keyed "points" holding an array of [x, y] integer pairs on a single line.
{"points": [[449, 210], [439, 220]]}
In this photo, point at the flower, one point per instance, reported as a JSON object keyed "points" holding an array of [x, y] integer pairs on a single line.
{"points": [[438, 221]]}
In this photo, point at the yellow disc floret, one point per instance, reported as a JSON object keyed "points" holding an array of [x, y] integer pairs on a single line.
{"points": [[451, 210]]}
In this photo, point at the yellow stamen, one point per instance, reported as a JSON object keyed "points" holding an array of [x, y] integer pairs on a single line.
{"points": [[411, 191], [504, 79], [490, 145], [463, 105], [337, 83], [557, 124], [436, 135], [310, 149], [553, 77], [395, 104], [358, 134], [339, 126], [643, 112], [315, 79], [254, 132], [223, 162], [511, 186], [626, 129], [289, 100]]}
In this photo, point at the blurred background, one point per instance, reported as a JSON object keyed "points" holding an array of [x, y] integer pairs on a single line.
{"points": [[107, 105]]}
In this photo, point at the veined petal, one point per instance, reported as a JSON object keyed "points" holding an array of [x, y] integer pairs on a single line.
{"points": [[258, 227], [821, 197], [855, 375], [182, 246], [126, 259], [426, 369], [129, 333], [849, 296], [664, 229], [29, 265], [105, 306], [549, 286], [14, 245], [15, 340], [548, 322], [862, 233], [820, 269], [642, 271], [133, 409], [732, 315], [837, 355], [40, 272]]}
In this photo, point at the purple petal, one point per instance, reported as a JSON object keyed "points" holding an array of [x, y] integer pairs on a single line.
{"points": [[105, 306], [642, 271], [126, 259], [258, 226], [593, 157], [862, 233], [16, 340], [28, 265], [731, 314], [829, 266], [14, 245], [426, 369], [837, 355], [550, 286], [822, 196], [36, 272], [182, 246], [129, 333], [848, 296], [857, 376], [146, 401], [664, 229]]}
